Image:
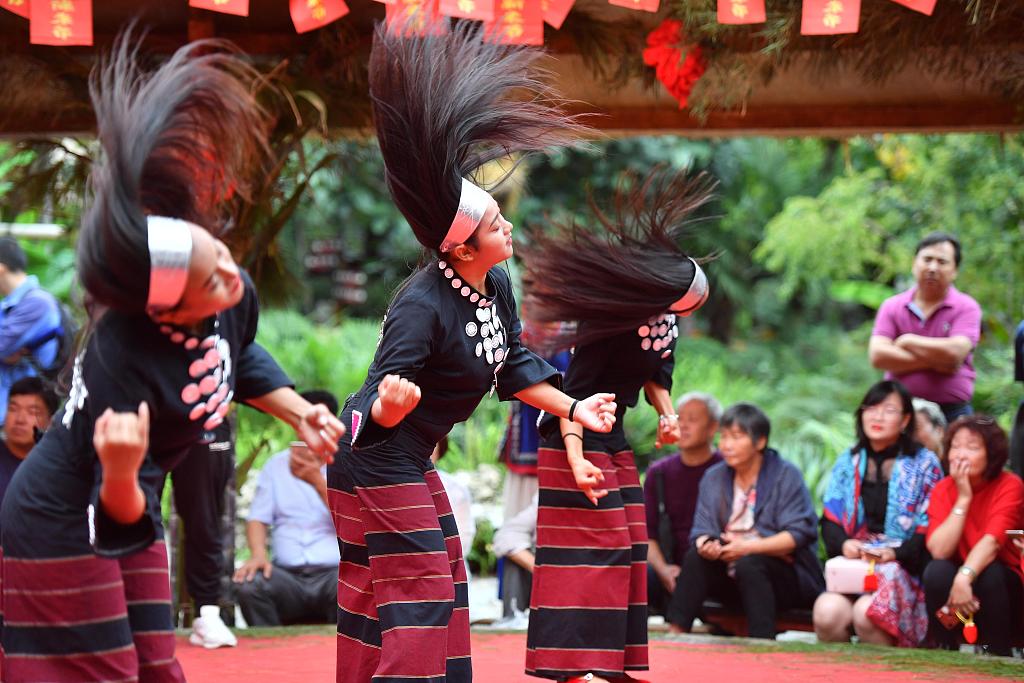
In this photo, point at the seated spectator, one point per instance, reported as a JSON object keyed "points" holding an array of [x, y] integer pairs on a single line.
{"points": [[878, 494], [30, 405], [459, 498], [929, 426], [754, 534], [670, 495], [975, 569], [516, 541], [300, 585]]}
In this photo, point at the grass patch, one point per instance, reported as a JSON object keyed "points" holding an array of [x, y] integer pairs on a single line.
{"points": [[901, 659]]}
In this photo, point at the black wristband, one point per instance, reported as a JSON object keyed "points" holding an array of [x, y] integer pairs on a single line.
{"points": [[572, 410], [566, 436]]}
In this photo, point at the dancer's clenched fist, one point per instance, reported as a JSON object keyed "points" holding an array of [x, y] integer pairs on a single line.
{"points": [[396, 398], [121, 441], [597, 412]]}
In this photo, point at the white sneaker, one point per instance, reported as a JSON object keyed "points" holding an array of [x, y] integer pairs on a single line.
{"points": [[209, 631]]}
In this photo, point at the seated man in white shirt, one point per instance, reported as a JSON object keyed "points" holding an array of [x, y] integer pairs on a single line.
{"points": [[300, 585], [516, 541]]}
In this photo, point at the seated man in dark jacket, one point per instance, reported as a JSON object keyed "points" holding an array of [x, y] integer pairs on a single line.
{"points": [[754, 533]]}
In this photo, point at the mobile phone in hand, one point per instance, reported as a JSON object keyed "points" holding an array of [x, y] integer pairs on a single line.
{"points": [[1015, 533]]}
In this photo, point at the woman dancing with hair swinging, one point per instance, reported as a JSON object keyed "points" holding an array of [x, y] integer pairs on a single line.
{"points": [[86, 593], [442, 109], [623, 281]]}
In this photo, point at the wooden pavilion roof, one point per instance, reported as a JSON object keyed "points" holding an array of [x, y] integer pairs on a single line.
{"points": [[42, 89]]}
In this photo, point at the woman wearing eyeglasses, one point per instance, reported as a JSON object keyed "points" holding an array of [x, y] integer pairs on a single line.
{"points": [[875, 508], [975, 569]]}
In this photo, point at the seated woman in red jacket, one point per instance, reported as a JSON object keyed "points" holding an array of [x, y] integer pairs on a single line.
{"points": [[975, 569]]}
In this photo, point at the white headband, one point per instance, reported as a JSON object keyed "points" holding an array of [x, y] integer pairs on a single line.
{"points": [[170, 251], [473, 203], [696, 294]]}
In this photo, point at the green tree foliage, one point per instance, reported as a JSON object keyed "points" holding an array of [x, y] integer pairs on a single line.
{"points": [[861, 229]]}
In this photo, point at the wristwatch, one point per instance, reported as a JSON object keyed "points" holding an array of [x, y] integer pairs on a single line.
{"points": [[968, 572], [959, 512]]}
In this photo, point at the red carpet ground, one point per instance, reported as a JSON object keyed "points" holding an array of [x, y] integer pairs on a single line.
{"points": [[498, 658]]}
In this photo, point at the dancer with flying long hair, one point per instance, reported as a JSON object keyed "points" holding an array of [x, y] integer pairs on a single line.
{"points": [[85, 591], [624, 280], [443, 107]]}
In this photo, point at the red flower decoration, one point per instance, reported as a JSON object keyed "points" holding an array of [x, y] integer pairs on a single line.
{"points": [[677, 73]]}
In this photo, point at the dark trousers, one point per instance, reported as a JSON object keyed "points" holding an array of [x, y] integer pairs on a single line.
{"points": [[998, 589], [200, 481], [762, 587], [952, 411], [516, 583], [657, 597], [292, 595]]}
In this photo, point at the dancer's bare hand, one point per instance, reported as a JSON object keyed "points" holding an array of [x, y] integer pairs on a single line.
{"points": [[588, 478], [596, 413], [668, 431], [321, 431], [396, 398], [121, 441]]}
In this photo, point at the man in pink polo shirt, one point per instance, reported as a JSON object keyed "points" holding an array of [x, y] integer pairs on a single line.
{"points": [[925, 337]]}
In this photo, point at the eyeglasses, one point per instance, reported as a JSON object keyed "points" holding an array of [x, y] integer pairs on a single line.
{"points": [[887, 412]]}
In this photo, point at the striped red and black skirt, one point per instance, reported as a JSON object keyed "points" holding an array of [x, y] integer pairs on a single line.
{"points": [[588, 611], [87, 618], [403, 596]]}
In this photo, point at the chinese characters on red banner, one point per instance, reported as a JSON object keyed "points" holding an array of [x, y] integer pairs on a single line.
{"points": [[239, 7], [482, 10], [19, 7], [830, 17], [60, 22], [741, 11], [517, 22], [415, 15], [308, 15]]}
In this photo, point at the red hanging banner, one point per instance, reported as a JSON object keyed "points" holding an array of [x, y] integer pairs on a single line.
{"points": [[922, 6], [741, 12], [60, 22], [516, 22], [555, 11], [416, 15], [482, 10], [308, 15], [830, 17], [238, 7], [19, 7], [643, 5]]}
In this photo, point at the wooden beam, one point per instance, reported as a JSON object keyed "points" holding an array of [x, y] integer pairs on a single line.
{"points": [[790, 120], [839, 120]]}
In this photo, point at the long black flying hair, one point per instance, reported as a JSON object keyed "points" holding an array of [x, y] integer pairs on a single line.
{"points": [[621, 266], [176, 142], [446, 103]]}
